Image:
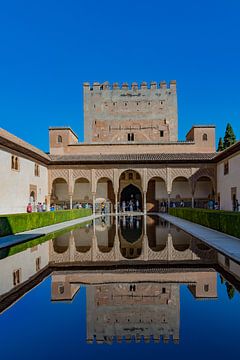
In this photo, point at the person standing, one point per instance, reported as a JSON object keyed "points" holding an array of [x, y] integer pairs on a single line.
{"points": [[29, 208]]}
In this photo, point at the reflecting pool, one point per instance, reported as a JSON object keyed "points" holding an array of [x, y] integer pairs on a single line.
{"points": [[118, 287]]}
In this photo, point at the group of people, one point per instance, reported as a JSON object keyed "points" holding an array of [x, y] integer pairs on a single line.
{"points": [[132, 205], [40, 207]]}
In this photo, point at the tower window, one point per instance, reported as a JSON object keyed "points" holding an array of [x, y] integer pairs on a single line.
{"points": [[130, 136], [161, 133], [59, 139], [204, 137], [206, 287]]}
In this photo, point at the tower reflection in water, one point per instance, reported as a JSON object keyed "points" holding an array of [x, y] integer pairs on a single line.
{"points": [[138, 303]]}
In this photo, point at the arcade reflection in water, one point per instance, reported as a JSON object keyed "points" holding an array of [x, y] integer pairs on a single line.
{"points": [[132, 269], [128, 238]]}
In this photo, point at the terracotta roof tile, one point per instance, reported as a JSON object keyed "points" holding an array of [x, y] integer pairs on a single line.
{"points": [[161, 157]]}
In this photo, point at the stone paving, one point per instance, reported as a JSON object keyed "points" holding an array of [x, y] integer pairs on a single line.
{"points": [[226, 244], [10, 240]]}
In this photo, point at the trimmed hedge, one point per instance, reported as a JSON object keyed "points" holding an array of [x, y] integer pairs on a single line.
{"points": [[15, 223], [15, 249], [227, 222]]}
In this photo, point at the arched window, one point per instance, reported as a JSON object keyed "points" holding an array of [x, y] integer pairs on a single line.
{"points": [[59, 139], [16, 163], [13, 163], [204, 137]]}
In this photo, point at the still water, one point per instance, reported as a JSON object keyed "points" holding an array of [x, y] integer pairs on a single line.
{"points": [[130, 288]]}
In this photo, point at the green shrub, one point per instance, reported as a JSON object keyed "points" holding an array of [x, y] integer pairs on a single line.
{"points": [[224, 221], [15, 223]]}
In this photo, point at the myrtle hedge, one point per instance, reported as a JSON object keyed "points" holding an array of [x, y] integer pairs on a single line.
{"points": [[224, 221], [15, 223]]}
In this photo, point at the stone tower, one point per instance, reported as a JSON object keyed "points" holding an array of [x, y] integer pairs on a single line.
{"points": [[136, 114]]}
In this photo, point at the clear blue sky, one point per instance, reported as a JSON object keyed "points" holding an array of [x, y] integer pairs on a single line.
{"points": [[49, 48]]}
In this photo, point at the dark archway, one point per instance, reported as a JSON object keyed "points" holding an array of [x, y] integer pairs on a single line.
{"points": [[132, 194]]}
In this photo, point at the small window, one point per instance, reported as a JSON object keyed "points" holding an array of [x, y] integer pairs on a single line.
{"points": [[15, 163], [59, 139], [149, 103], [130, 136], [161, 133], [61, 289], [206, 287], [36, 170], [163, 290], [38, 263], [125, 104], [226, 168], [16, 277], [204, 137]]}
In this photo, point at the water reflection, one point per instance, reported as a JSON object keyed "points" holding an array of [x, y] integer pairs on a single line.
{"points": [[166, 255], [120, 307], [128, 238]]}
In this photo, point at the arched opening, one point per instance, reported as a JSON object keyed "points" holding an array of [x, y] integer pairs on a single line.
{"points": [[83, 238], [157, 233], [105, 230], [59, 139], [61, 243], [204, 192], [32, 197], [82, 195], [180, 239], [60, 195], [181, 192], [130, 235], [130, 195], [104, 195], [156, 193], [131, 198], [204, 137]]}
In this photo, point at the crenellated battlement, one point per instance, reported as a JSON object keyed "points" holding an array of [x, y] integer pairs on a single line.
{"points": [[96, 86], [138, 112]]}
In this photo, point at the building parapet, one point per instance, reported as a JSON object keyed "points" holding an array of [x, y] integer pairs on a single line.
{"points": [[96, 86]]}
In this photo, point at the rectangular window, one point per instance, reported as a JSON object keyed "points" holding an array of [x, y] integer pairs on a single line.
{"points": [[16, 277], [130, 136], [38, 263], [161, 133], [226, 168]]}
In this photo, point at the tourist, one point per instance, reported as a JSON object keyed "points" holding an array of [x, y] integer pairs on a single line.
{"points": [[103, 208], [137, 205], [181, 204], [52, 207], [29, 208], [131, 206], [173, 205], [236, 205], [123, 206], [44, 207]]}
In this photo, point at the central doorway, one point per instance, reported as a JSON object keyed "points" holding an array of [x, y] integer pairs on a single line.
{"points": [[131, 197]]}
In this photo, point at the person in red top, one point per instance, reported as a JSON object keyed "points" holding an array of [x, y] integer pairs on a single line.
{"points": [[29, 208]]}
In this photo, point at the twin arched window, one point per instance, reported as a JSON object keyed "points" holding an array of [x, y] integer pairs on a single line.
{"points": [[59, 139], [204, 137], [15, 163], [36, 170]]}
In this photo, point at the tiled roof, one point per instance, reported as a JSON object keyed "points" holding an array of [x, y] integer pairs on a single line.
{"points": [[13, 142], [160, 157]]}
